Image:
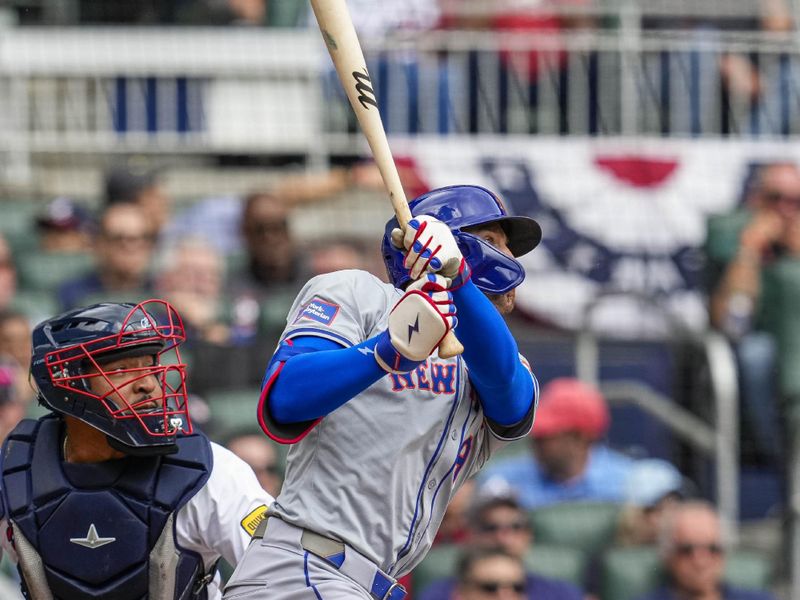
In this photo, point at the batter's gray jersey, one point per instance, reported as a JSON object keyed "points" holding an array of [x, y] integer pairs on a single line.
{"points": [[378, 472]]}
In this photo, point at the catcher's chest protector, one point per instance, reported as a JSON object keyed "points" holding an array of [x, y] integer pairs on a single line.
{"points": [[113, 540]]}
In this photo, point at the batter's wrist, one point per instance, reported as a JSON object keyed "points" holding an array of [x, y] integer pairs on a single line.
{"points": [[390, 359]]}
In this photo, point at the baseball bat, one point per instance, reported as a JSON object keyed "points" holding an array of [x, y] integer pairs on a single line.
{"points": [[336, 25]]}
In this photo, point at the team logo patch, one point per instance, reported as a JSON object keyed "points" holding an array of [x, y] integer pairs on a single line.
{"points": [[251, 522], [320, 311]]}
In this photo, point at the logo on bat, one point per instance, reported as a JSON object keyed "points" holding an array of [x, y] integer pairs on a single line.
{"points": [[366, 95]]}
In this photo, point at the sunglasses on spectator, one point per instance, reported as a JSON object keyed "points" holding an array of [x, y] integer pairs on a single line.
{"points": [[494, 587], [510, 526], [267, 227], [121, 238], [776, 196], [689, 549]]}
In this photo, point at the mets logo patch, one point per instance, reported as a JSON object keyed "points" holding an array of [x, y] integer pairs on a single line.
{"points": [[251, 521], [320, 311]]}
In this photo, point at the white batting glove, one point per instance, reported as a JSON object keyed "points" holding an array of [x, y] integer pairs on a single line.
{"points": [[417, 324], [431, 247]]}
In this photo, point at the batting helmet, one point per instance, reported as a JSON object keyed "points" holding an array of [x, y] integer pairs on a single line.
{"points": [[462, 207], [69, 354]]}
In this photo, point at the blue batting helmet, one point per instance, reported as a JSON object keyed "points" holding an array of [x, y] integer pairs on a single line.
{"points": [[70, 352], [462, 207]]}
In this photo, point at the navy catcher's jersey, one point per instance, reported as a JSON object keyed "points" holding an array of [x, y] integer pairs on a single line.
{"points": [[379, 471]]}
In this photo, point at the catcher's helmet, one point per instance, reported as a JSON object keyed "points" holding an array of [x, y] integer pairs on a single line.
{"points": [[464, 206], [69, 354]]}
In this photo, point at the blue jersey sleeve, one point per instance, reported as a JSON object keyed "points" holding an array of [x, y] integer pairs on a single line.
{"points": [[506, 387], [292, 404]]}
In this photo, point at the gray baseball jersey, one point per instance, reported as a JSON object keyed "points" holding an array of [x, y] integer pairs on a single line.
{"points": [[379, 472]]}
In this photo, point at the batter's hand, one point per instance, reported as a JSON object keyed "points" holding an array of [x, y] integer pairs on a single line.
{"points": [[431, 247], [417, 324]]}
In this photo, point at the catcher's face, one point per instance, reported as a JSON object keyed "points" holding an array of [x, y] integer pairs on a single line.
{"points": [[129, 383], [493, 234]]}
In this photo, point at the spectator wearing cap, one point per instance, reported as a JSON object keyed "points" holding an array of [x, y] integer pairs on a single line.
{"points": [[653, 491], [499, 521], [64, 226], [568, 462], [144, 188], [693, 555]]}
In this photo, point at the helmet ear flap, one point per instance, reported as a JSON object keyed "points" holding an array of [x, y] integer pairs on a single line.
{"points": [[492, 271]]}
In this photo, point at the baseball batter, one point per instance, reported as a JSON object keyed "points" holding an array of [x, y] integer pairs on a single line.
{"points": [[112, 496], [383, 432]]}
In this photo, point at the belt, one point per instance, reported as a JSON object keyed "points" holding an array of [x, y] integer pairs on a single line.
{"points": [[344, 558]]}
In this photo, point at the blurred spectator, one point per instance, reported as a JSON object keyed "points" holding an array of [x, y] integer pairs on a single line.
{"points": [[8, 275], [693, 555], [15, 345], [12, 408], [254, 448], [145, 188], [337, 254], [64, 226], [454, 528], [123, 247], [521, 70], [191, 277], [499, 521], [244, 13], [567, 462], [489, 574], [264, 288], [652, 491], [755, 285]]}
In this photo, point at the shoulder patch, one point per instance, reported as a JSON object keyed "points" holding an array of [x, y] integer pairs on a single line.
{"points": [[251, 521], [319, 310]]}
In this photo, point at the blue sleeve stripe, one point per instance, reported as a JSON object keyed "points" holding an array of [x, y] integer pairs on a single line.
{"points": [[319, 333]]}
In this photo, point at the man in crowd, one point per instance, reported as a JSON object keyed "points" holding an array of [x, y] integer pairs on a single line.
{"points": [[567, 463], [123, 249], [498, 521], [693, 555], [490, 574]]}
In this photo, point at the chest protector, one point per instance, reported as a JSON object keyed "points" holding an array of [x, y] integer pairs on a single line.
{"points": [[113, 541]]}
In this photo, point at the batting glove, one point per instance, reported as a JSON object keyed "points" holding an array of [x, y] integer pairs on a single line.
{"points": [[431, 247], [417, 324]]}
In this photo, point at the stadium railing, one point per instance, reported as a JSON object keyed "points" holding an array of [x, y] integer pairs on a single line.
{"points": [[228, 91]]}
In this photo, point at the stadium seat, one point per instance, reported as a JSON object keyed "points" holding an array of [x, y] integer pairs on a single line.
{"points": [[586, 526], [46, 271], [439, 563], [233, 409], [628, 573], [555, 562]]}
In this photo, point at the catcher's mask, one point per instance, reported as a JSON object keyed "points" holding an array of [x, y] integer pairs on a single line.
{"points": [[117, 368], [462, 207]]}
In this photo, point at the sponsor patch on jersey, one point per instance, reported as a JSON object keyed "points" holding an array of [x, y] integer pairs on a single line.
{"points": [[320, 311], [253, 519]]}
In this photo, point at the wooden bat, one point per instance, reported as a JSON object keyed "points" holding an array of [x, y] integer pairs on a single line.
{"points": [[340, 37]]}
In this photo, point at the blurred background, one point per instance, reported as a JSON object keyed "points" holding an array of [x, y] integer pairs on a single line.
{"points": [[203, 151]]}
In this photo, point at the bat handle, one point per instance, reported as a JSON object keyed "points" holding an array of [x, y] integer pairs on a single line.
{"points": [[450, 346]]}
